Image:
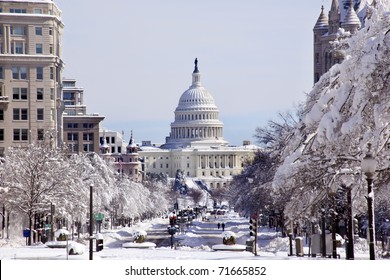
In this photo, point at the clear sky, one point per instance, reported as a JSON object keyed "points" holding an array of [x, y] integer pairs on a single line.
{"points": [[135, 58]]}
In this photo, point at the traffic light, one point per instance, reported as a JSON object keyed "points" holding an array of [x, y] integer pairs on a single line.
{"points": [[253, 227], [251, 243]]}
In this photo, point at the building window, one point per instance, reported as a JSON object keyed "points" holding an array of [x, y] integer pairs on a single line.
{"points": [[40, 134], [73, 137], [88, 136], [20, 114], [88, 147], [1, 134], [1, 115], [112, 150], [90, 125], [17, 48], [23, 73], [38, 30], [39, 49], [1, 72], [51, 31], [51, 73], [52, 94], [15, 73], [37, 11], [73, 125], [51, 48], [119, 150], [40, 114], [40, 92], [39, 73], [19, 73], [17, 11], [19, 93], [20, 134], [18, 30]]}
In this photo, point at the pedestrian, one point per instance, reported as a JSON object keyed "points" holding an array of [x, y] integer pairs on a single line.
{"points": [[223, 226], [219, 225]]}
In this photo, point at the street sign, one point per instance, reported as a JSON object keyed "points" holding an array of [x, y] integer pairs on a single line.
{"points": [[26, 233], [99, 217]]}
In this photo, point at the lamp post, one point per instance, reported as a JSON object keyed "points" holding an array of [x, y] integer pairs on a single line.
{"points": [[347, 178], [90, 222], [369, 164], [351, 254], [52, 208]]}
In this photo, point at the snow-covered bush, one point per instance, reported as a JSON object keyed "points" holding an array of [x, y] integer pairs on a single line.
{"points": [[228, 238], [139, 236]]}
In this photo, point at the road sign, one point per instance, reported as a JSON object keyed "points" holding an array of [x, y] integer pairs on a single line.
{"points": [[99, 217], [26, 233]]}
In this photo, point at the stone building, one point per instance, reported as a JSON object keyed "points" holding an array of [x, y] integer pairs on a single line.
{"points": [[30, 72], [126, 161], [346, 14], [80, 130]]}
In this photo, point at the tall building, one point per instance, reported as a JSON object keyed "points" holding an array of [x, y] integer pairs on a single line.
{"points": [[196, 144], [80, 130], [30, 72], [346, 14]]}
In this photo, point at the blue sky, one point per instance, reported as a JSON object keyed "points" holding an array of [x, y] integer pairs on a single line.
{"points": [[135, 59]]}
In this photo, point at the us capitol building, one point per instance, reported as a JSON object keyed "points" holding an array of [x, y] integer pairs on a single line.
{"points": [[196, 144]]}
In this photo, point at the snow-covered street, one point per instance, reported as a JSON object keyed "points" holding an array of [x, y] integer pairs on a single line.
{"points": [[192, 252], [192, 243]]}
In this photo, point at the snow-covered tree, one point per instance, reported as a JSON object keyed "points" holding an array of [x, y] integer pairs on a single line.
{"points": [[34, 177], [161, 197], [180, 182], [348, 108], [90, 169], [250, 191]]}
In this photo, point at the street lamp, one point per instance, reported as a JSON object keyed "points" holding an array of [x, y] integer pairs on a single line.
{"points": [[369, 164], [346, 178], [90, 222]]}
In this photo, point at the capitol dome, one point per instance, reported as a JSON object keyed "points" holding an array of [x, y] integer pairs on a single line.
{"points": [[196, 96], [196, 118]]}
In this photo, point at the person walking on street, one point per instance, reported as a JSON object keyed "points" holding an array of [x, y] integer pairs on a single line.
{"points": [[219, 225], [223, 226]]}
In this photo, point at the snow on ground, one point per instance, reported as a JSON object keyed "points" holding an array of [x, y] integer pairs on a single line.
{"points": [[192, 243]]}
